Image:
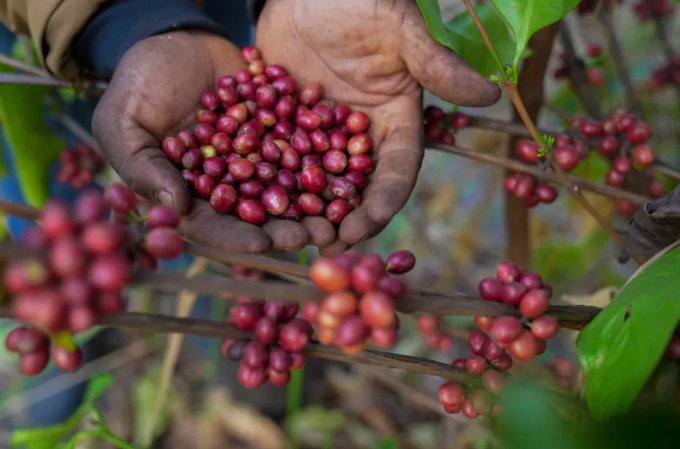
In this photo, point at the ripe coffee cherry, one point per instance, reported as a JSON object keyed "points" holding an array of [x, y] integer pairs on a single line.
{"points": [[295, 334], [251, 211], [475, 365], [567, 157], [615, 178], [214, 166], [527, 150], [81, 318], [393, 287], [360, 162], [103, 237], [434, 113], [311, 94], [400, 262], [290, 160], [34, 363], [329, 275], [524, 186], [506, 328], [621, 164], [279, 379], [512, 293], [377, 309], [508, 272], [334, 161], [342, 188], [545, 193], [193, 159], [66, 360], [174, 149], [245, 316], [595, 76], [110, 273], [476, 341], [491, 351], [223, 198], [311, 204], [351, 331], [609, 145], [503, 363], [26, 340], [337, 210], [459, 120], [643, 155], [57, 220], [531, 280], [484, 322], [639, 133], [275, 200], [357, 122], [255, 355], [340, 303], [314, 179], [162, 216], [204, 186], [164, 243], [656, 189], [210, 100], [359, 144], [534, 303], [451, 393], [544, 327], [365, 278], [280, 360], [490, 289], [591, 129], [67, 257], [251, 377], [89, 207], [525, 347]]}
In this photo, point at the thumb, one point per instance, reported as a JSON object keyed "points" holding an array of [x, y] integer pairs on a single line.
{"points": [[440, 70], [135, 155]]}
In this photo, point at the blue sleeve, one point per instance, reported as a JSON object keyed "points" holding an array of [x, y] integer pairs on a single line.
{"points": [[120, 24]]}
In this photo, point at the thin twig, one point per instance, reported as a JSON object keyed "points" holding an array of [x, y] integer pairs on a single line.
{"points": [[24, 67], [601, 189]]}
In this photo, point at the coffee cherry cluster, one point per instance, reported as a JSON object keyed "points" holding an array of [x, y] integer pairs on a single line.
{"points": [[265, 148], [666, 75], [430, 328], [360, 301], [524, 338], [79, 166], [442, 127], [473, 402], [653, 9], [281, 338], [82, 264]]}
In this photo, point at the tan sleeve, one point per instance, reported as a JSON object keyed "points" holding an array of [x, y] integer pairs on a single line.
{"points": [[52, 24]]}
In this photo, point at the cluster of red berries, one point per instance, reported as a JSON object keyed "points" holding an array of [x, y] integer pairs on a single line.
{"points": [[666, 75], [85, 264], [79, 166], [430, 328], [360, 301], [473, 402], [264, 148], [524, 339], [653, 9], [593, 66], [441, 127], [274, 322], [564, 371]]}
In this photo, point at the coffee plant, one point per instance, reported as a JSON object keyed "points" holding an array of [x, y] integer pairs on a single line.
{"points": [[262, 146]]}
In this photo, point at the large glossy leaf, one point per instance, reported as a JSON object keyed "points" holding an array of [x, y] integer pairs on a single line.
{"points": [[34, 147], [622, 346], [525, 17], [433, 18], [471, 46]]}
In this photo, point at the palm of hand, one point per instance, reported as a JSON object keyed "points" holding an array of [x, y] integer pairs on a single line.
{"points": [[374, 56]]}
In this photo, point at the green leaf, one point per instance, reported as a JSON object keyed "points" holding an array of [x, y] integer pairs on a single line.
{"points": [[96, 387], [471, 46], [41, 438], [525, 17], [622, 346], [433, 18], [34, 146]]}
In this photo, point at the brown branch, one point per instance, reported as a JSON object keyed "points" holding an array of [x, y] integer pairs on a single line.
{"points": [[601, 189], [577, 74], [22, 66]]}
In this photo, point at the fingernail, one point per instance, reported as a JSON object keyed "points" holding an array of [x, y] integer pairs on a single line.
{"points": [[165, 198]]}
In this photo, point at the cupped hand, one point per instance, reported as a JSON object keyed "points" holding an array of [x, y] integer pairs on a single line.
{"points": [[155, 92], [376, 56]]}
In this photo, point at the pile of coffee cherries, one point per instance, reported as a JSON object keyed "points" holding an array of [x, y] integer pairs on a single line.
{"points": [[82, 263], [442, 127], [79, 166], [526, 338], [281, 337], [264, 148], [360, 301]]}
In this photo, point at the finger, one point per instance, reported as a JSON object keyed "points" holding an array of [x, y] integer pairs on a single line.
{"points": [[286, 235], [441, 71], [357, 227], [203, 225], [135, 155], [321, 231], [334, 249]]}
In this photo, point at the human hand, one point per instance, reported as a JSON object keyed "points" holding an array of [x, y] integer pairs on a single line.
{"points": [[155, 92], [375, 56]]}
